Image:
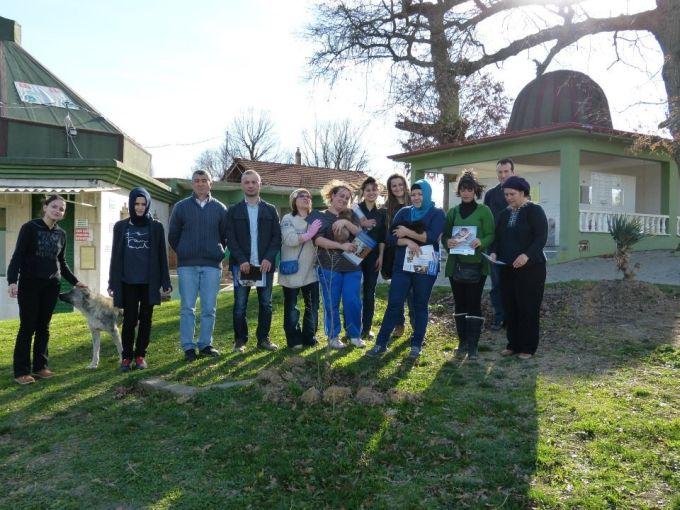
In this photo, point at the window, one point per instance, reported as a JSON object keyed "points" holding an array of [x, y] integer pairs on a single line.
{"points": [[586, 194], [617, 197], [3, 247]]}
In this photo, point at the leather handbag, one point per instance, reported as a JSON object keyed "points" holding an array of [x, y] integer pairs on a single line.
{"points": [[465, 272], [291, 266]]}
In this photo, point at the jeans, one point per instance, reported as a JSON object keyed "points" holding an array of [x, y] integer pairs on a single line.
{"points": [[37, 299], [137, 313], [195, 281], [264, 318], [370, 280], [295, 335], [402, 283], [401, 318], [495, 294], [336, 285]]}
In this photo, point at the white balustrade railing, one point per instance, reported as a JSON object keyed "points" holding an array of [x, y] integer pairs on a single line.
{"points": [[599, 221]]}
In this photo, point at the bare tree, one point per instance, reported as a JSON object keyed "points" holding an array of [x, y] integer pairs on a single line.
{"points": [[335, 145], [250, 135], [435, 47]]}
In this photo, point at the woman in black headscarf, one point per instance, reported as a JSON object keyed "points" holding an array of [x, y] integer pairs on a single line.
{"points": [[521, 234], [138, 270]]}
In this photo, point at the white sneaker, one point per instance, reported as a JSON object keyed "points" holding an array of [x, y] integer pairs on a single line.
{"points": [[358, 342], [336, 343]]}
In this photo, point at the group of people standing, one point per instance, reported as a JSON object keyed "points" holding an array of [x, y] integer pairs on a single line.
{"points": [[312, 248]]}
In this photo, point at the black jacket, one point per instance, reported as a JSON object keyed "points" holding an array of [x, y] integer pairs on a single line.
{"points": [[528, 236], [238, 233], [494, 199], [39, 253], [159, 275]]}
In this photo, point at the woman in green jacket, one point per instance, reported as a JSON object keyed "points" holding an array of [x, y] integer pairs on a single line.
{"points": [[467, 272]]}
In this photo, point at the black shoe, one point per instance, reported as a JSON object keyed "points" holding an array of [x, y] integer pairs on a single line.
{"points": [[209, 351], [267, 345], [189, 355], [311, 343]]}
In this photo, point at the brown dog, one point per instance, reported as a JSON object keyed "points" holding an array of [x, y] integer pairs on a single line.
{"points": [[100, 315]]}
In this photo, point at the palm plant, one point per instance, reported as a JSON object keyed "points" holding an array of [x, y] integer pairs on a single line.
{"points": [[625, 232]]}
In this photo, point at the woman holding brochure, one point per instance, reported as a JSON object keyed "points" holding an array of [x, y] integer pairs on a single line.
{"points": [[521, 234], [415, 231], [469, 230], [339, 276]]}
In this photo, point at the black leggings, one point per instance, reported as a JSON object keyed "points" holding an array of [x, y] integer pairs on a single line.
{"points": [[136, 309], [37, 299], [467, 297]]}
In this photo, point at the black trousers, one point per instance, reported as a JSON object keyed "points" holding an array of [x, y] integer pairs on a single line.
{"points": [[522, 293], [467, 297], [137, 313], [37, 299]]}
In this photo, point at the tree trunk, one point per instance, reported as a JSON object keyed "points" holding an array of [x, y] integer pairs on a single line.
{"points": [[445, 83], [667, 34]]}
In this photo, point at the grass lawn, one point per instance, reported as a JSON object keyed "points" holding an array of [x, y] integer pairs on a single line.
{"points": [[592, 422]]}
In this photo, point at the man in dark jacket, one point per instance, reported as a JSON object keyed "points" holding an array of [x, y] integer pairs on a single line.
{"points": [[253, 240], [197, 234], [495, 200]]}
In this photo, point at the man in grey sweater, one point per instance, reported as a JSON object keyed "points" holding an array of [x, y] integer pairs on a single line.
{"points": [[197, 234]]}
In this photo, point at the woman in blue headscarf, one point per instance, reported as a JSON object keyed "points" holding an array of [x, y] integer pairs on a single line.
{"points": [[412, 228], [138, 271]]}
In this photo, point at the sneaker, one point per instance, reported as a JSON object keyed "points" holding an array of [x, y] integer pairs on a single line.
{"points": [[398, 331], [266, 345], [24, 379], [140, 363], [239, 347], [209, 351], [507, 352], [525, 355], [358, 342], [45, 373], [311, 343], [298, 347], [368, 335], [125, 365], [336, 343], [190, 355], [415, 352], [376, 351]]}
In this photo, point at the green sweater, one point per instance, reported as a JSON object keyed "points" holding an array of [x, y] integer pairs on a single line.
{"points": [[482, 218]]}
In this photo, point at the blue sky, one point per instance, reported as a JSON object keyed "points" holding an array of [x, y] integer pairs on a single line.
{"points": [[172, 72]]}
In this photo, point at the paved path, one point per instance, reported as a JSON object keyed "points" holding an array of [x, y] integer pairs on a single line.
{"points": [[658, 266]]}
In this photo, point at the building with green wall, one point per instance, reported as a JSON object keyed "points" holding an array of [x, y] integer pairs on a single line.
{"points": [[581, 170]]}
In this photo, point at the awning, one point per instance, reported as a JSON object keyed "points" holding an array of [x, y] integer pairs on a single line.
{"points": [[52, 189], [59, 186]]}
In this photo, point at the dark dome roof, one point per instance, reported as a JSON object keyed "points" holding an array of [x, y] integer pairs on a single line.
{"points": [[559, 97]]}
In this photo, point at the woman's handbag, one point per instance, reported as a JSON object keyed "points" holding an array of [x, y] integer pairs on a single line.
{"points": [[291, 266], [464, 272]]}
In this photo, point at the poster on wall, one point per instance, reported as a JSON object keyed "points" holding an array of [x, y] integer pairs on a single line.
{"points": [[48, 96], [82, 234]]}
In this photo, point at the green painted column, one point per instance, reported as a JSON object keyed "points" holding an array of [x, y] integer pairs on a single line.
{"points": [[669, 195], [569, 200]]}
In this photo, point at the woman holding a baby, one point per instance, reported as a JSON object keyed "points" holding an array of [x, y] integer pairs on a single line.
{"points": [[340, 278]]}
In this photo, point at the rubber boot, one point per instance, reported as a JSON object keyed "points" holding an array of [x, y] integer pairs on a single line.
{"points": [[473, 328], [462, 336]]}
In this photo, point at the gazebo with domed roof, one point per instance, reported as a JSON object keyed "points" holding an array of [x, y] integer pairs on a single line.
{"points": [[581, 170]]}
